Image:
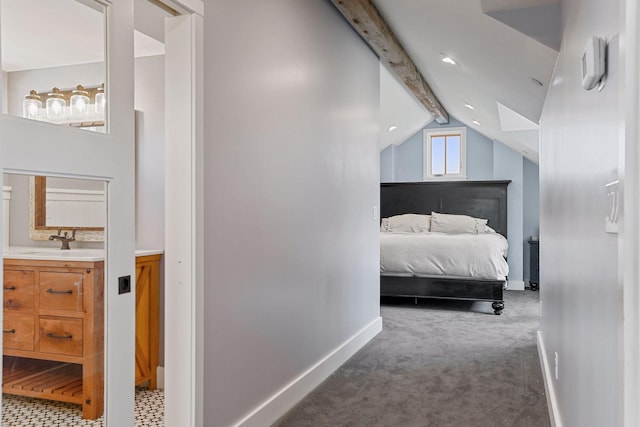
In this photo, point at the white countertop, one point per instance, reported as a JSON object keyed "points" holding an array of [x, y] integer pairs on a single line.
{"points": [[54, 254]]}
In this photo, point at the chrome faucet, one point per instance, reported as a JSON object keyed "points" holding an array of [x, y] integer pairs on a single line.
{"points": [[64, 238]]}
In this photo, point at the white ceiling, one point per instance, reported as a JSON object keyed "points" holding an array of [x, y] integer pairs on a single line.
{"points": [[398, 108], [45, 33], [496, 61]]}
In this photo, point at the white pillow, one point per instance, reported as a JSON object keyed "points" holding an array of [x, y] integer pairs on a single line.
{"points": [[407, 223], [489, 230], [457, 224]]}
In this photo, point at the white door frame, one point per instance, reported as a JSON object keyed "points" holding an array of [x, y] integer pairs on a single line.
{"points": [[629, 243], [184, 287]]}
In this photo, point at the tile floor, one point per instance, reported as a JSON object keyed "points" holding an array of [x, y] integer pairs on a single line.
{"points": [[20, 411]]}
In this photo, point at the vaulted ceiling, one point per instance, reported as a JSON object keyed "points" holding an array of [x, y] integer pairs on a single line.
{"points": [[505, 52]]}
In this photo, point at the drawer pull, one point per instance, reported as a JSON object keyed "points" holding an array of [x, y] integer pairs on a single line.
{"points": [[9, 331], [59, 337], [10, 288], [53, 291]]}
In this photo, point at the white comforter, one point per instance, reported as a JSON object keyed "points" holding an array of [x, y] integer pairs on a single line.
{"points": [[479, 256]]}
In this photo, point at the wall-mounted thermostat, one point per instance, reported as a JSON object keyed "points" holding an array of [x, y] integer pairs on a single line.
{"points": [[593, 62]]}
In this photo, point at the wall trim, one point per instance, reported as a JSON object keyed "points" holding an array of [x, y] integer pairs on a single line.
{"points": [[160, 377], [515, 285], [286, 398], [552, 402]]}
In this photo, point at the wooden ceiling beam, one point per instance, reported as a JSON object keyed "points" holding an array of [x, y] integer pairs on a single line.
{"points": [[367, 21]]}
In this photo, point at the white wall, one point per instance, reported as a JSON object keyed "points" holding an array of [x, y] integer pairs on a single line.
{"points": [[582, 300], [291, 179]]}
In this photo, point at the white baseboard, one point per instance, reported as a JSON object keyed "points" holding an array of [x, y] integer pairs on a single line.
{"points": [[552, 403], [515, 285], [286, 398], [160, 377]]}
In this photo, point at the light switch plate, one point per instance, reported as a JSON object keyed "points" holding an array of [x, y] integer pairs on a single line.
{"points": [[613, 207]]}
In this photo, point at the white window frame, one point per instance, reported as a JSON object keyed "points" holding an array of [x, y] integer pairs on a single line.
{"points": [[427, 135]]}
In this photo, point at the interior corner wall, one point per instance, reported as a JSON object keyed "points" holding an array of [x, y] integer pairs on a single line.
{"points": [[4, 108], [291, 177], [531, 210], [582, 296], [387, 164], [407, 160], [508, 164], [150, 119]]}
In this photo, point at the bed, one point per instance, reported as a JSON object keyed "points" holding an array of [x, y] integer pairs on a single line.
{"points": [[478, 199]]}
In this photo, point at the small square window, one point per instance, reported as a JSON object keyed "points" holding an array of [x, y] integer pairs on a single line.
{"points": [[444, 154]]}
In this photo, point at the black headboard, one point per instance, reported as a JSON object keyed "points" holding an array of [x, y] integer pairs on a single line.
{"points": [[480, 199]]}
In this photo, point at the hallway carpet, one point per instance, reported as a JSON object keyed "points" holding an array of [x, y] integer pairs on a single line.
{"points": [[438, 364]]}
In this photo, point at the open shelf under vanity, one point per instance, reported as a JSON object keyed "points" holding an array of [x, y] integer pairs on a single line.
{"points": [[43, 379]]}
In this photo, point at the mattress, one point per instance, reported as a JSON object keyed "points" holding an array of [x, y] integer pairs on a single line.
{"points": [[477, 256]]}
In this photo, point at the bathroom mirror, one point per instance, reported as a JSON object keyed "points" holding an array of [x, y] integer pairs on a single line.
{"points": [[60, 203], [53, 61]]}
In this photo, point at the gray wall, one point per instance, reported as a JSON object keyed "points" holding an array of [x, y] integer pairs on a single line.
{"points": [[582, 302], [387, 164], [486, 159], [291, 179], [407, 161], [479, 151], [507, 164], [531, 209]]}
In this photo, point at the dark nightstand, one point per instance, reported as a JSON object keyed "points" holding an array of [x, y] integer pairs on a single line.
{"points": [[534, 264]]}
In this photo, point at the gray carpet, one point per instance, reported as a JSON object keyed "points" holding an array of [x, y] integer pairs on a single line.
{"points": [[441, 363]]}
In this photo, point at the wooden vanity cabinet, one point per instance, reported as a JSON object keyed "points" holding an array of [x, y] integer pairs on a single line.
{"points": [[147, 319], [53, 331]]}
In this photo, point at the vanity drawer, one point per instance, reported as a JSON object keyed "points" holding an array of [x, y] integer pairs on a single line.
{"points": [[18, 331], [61, 335], [18, 290], [60, 291]]}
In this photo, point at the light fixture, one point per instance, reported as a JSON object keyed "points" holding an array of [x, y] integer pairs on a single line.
{"points": [[56, 106], [535, 81], [79, 102], [100, 100], [469, 106], [475, 122], [449, 60], [31, 105], [80, 107], [392, 128]]}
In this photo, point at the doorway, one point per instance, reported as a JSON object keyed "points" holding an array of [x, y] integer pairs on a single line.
{"points": [[54, 307]]}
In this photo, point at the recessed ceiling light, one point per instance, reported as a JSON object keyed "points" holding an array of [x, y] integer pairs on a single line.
{"points": [[449, 60], [469, 106], [475, 122], [392, 128], [535, 81]]}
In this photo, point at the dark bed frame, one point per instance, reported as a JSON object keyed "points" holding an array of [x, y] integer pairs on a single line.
{"points": [[480, 199]]}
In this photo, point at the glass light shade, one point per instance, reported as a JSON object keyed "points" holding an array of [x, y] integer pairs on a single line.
{"points": [[101, 101], [79, 103], [56, 106], [31, 106]]}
